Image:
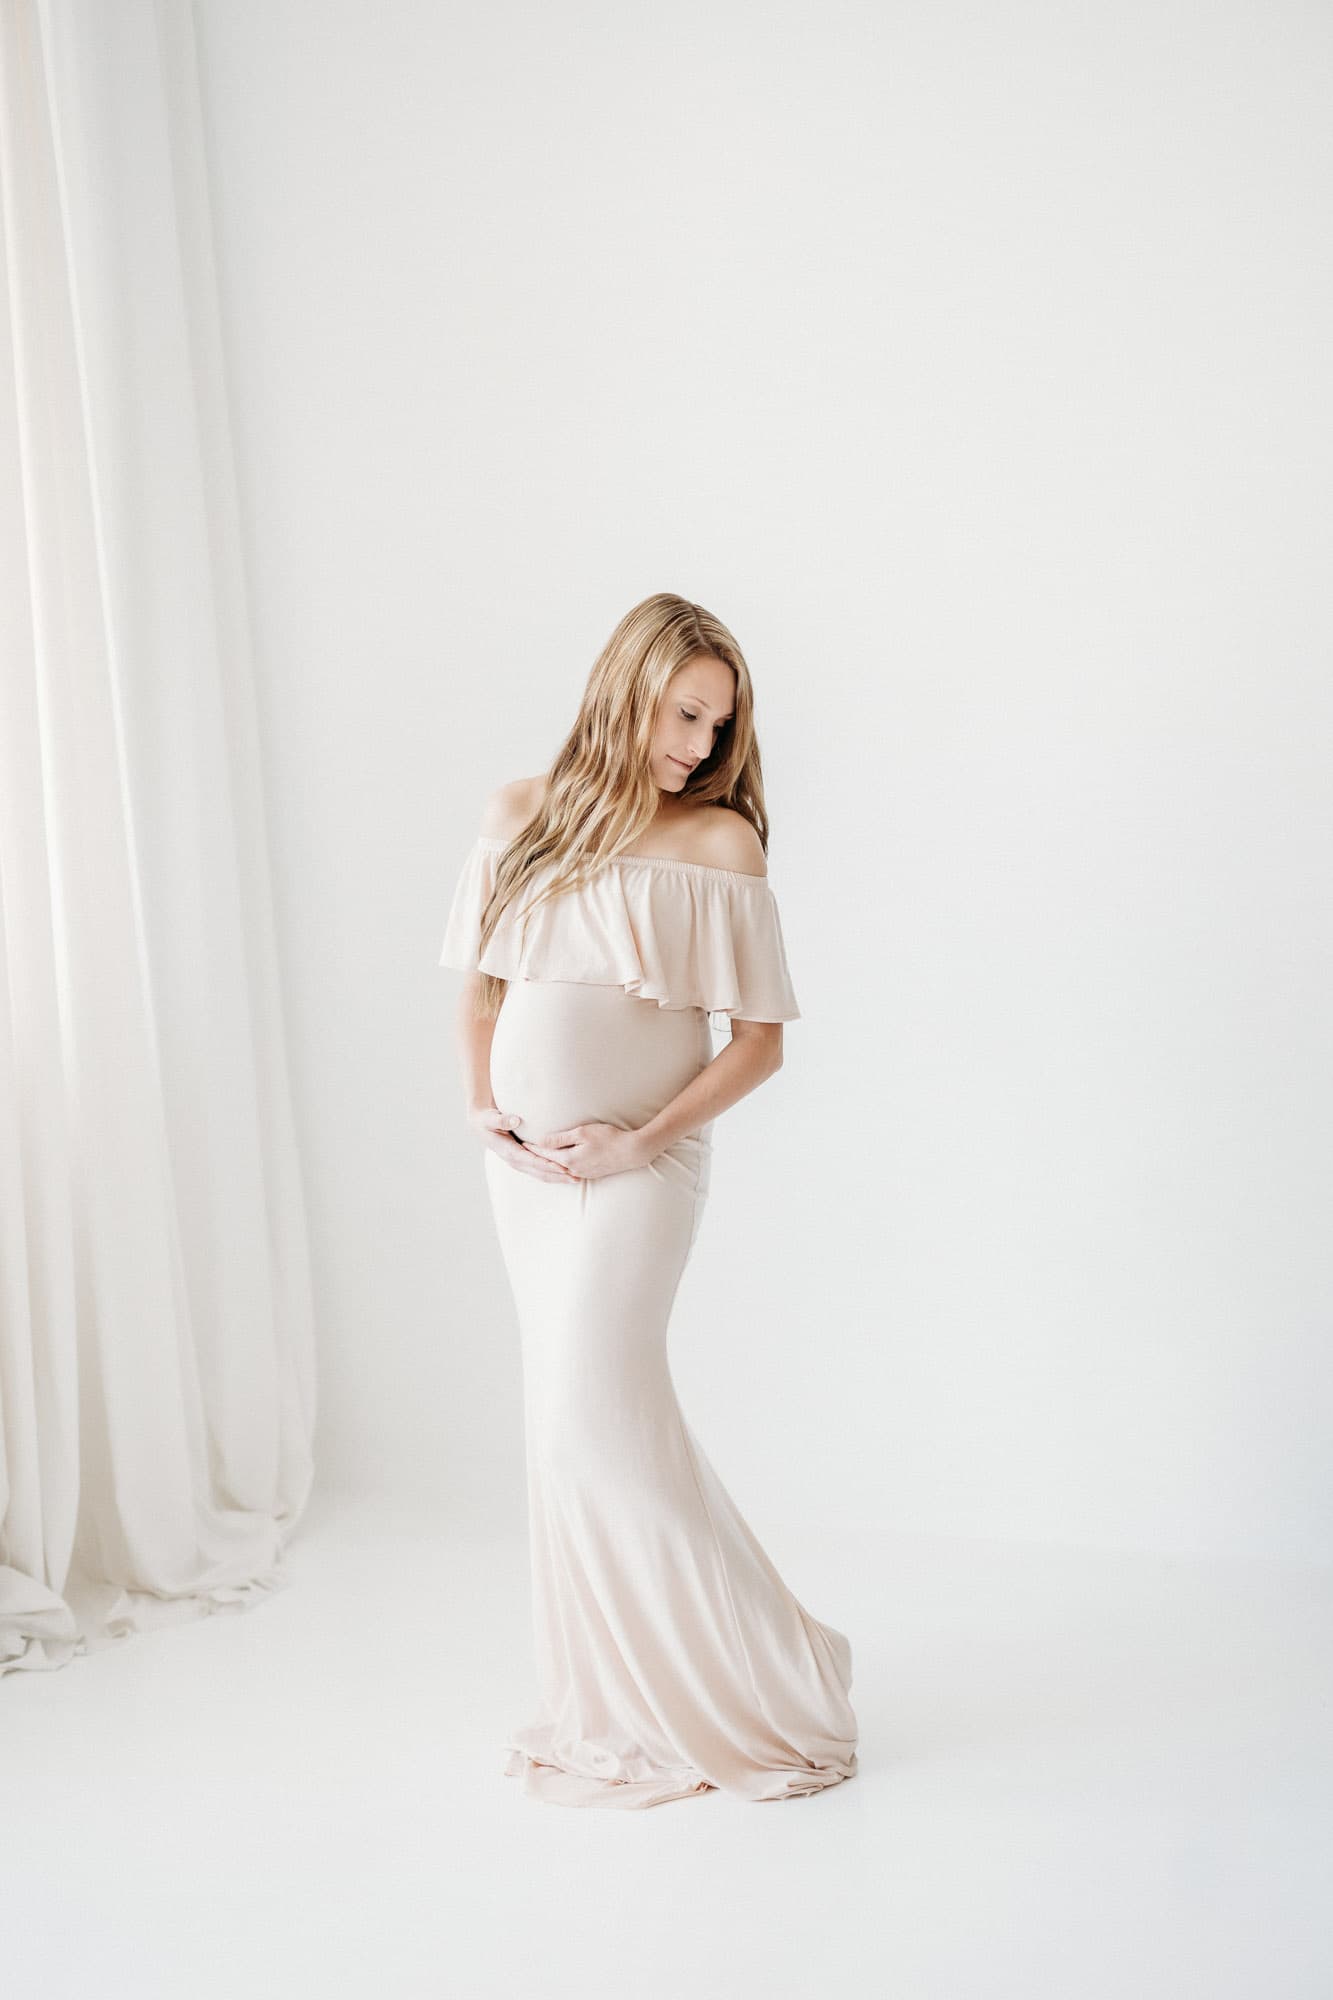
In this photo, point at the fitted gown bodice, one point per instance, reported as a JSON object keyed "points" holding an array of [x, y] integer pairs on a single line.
{"points": [[671, 1657]]}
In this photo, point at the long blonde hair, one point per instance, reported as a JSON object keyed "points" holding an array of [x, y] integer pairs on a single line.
{"points": [[599, 792]]}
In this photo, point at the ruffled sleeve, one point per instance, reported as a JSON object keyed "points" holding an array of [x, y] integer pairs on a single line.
{"points": [[681, 933], [472, 892], [743, 973]]}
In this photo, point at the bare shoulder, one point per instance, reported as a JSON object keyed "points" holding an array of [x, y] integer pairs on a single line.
{"points": [[726, 839], [510, 807]]}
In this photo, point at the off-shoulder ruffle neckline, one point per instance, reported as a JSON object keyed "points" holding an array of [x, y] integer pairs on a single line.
{"points": [[654, 861], [682, 933]]}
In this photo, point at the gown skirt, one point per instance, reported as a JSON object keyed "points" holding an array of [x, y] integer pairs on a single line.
{"points": [[671, 1657]]}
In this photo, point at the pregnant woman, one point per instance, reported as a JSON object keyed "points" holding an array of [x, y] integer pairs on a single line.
{"points": [[607, 911]]}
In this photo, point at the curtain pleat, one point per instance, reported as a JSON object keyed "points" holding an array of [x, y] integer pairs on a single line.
{"points": [[157, 1379]]}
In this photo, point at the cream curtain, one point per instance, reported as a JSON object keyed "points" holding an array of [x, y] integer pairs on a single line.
{"points": [[156, 1343]]}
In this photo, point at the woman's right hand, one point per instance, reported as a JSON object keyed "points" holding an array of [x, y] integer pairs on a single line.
{"points": [[493, 1126]]}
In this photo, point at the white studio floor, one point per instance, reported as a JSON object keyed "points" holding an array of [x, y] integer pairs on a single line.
{"points": [[1081, 1775]]}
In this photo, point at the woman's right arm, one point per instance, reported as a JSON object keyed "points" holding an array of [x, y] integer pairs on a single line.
{"points": [[505, 813], [475, 1033]]}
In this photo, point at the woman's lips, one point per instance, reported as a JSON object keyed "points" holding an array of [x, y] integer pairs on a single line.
{"points": [[676, 760]]}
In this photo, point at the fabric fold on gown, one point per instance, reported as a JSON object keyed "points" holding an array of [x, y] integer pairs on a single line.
{"points": [[671, 1657]]}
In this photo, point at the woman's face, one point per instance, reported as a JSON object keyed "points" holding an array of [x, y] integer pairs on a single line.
{"points": [[697, 702]]}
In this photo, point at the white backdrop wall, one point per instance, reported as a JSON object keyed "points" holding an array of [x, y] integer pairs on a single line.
{"points": [[971, 362]]}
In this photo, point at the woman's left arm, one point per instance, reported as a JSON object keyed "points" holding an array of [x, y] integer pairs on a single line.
{"points": [[753, 1054]]}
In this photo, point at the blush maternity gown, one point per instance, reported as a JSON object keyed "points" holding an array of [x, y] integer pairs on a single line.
{"points": [[671, 1657]]}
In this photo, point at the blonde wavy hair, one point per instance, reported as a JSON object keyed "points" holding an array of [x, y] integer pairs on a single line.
{"points": [[599, 792]]}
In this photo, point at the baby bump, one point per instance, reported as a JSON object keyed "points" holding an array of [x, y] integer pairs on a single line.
{"points": [[565, 1053]]}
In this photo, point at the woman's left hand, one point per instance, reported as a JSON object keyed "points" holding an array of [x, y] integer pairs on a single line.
{"points": [[592, 1151]]}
